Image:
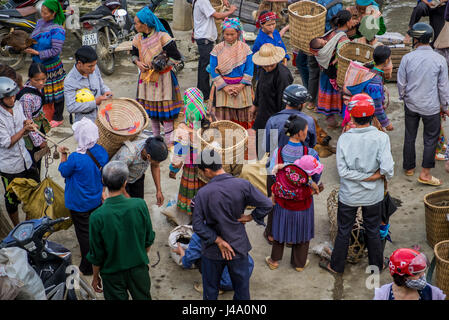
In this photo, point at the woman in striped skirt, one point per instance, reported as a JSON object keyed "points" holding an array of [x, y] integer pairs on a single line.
{"points": [[157, 91], [50, 36], [184, 152]]}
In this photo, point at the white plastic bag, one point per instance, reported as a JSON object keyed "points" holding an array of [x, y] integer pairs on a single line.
{"points": [[14, 265], [185, 231]]}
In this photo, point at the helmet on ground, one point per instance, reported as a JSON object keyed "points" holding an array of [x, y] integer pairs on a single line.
{"points": [[407, 262], [361, 105], [295, 95], [8, 87], [422, 32], [84, 95]]}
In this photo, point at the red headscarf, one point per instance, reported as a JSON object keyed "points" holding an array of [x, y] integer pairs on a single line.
{"points": [[264, 18]]}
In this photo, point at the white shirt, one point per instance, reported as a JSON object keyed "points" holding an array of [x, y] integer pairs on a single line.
{"points": [[203, 21], [15, 159]]}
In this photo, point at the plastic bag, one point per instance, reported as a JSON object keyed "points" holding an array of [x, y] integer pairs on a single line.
{"points": [[14, 265], [324, 250], [32, 196], [182, 235]]}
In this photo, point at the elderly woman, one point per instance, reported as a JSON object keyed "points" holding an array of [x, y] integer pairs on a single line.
{"points": [[184, 152], [157, 89], [231, 68], [50, 36], [83, 186], [407, 268]]}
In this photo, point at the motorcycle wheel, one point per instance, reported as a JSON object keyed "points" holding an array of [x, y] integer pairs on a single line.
{"points": [[106, 61], [84, 291], [14, 60]]}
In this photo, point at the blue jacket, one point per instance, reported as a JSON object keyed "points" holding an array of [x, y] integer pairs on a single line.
{"points": [[193, 254], [83, 186], [263, 38]]}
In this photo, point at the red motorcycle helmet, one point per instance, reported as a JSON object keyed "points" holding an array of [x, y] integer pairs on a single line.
{"points": [[407, 262], [361, 105]]}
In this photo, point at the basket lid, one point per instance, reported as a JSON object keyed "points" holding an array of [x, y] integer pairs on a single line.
{"points": [[122, 116]]}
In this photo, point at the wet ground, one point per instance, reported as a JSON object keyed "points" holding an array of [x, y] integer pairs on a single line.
{"points": [[169, 281]]}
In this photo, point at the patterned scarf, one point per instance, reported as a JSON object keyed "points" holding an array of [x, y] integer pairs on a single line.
{"points": [[264, 18], [233, 23], [195, 109]]}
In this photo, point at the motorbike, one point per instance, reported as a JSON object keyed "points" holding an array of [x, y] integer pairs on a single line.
{"points": [[109, 29], [21, 15], [50, 260]]}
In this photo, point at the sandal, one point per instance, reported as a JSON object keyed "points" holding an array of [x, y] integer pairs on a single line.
{"points": [[440, 157], [410, 172], [270, 265], [324, 264], [432, 182], [302, 269], [265, 235]]}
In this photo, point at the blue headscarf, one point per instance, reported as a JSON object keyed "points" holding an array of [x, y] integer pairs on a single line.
{"points": [[367, 3], [146, 16]]}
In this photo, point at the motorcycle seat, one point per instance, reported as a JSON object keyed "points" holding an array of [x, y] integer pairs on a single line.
{"points": [[91, 16], [19, 13]]}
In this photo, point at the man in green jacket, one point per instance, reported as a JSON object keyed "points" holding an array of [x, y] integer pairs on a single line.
{"points": [[120, 238]]}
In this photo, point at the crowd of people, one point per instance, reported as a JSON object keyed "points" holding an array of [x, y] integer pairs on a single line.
{"points": [[252, 87]]}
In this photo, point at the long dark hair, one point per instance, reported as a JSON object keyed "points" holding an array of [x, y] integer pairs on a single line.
{"points": [[341, 18], [294, 124]]}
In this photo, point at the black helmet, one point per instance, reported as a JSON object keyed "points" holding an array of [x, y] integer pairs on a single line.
{"points": [[422, 32], [295, 95], [8, 87]]}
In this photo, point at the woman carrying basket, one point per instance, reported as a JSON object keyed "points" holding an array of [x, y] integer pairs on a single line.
{"points": [[231, 68], [155, 52], [50, 36], [184, 152]]}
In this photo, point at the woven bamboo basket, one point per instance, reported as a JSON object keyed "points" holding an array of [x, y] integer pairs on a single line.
{"points": [[437, 226], [233, 137], [307, 21], [124, 113], [348, 52], [442, 267]]}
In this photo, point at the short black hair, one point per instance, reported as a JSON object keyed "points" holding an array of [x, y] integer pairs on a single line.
{"points": [[399, 280], [86, 54], [314, 43], [36, 68], [156, 148], [381, 54], [210, 160], [363, 120]]}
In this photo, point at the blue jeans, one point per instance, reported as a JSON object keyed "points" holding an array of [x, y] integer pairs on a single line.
{"points": [[211, 271], [303, 67]]}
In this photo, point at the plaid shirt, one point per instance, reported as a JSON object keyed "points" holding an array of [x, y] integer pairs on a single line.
{"points": [[133, 159]]}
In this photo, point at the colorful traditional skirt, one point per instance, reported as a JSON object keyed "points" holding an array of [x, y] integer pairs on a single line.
{"points": [[329, 100], [54, 87], [293, 226], [165, 110], [239, 116], [190, 184]]}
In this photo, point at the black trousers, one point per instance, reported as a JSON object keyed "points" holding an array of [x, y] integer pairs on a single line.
{"points": [[81, 224], [314, 78], [270, 181], [59, 110], [431, 134], [204, 48], [346, 216], [136, 189], [436, 17]]}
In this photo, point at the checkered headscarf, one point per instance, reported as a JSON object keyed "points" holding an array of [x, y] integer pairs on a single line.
{"points": [[195, 109]]}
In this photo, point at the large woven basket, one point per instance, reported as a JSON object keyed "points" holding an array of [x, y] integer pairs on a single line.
{"points": [[232, 139], [437, 207], [348, 52], [442, 267], [123, 114], [307, 21]]}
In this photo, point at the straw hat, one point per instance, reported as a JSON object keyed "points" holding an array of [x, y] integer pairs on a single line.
{"points": [[268, 55]]}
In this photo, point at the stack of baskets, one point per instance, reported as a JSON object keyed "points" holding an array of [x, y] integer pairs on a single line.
{"points": [[229, 140], [351, 51], [437, 207], [442, 266], [396, 57], [119, 120], [307, 21]]}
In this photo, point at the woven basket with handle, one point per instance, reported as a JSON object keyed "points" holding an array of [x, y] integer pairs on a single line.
{"points": [[442, 267], [348, 52], [119, 120], [232, 139], [307, 21], [437, 207]]}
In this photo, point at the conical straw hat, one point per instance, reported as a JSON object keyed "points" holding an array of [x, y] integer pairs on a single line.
{"points": [[268, 55], [442, 41]]}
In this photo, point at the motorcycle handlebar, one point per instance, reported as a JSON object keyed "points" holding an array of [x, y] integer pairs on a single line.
{"points": [[56, 221]]}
